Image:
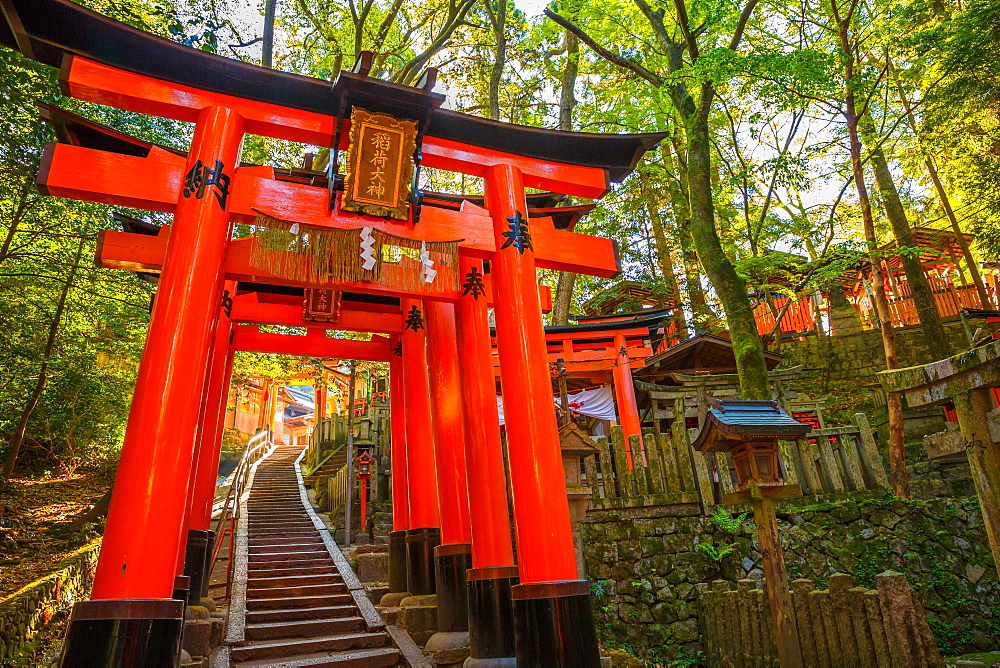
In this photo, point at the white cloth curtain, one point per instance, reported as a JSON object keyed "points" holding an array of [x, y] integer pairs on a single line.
{"points": [[597, 403]]}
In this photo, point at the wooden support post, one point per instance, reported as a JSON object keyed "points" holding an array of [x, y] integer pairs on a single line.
{"points": [[143, 538], [397, 444], [421, 468], [449, 433], [984, 459], [869, 451], [213, 419], [628, 409], [776, 579]]}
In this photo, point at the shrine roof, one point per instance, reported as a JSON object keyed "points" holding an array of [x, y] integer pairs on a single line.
{"points": [[704, 352], [50, 30], [734, 419], [653, 320]]}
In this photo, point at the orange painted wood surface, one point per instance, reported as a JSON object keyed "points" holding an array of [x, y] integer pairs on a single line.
{"points": [[262, 313], [87, 174], [249, 338], [94, 82]]}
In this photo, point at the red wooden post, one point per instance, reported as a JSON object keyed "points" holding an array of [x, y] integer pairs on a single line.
{"points": [[142, 538], [493, 572], [550, 632], [424, 533], [213, 421], [397, 453], [196, 558], [454, 556], [628, 409]]}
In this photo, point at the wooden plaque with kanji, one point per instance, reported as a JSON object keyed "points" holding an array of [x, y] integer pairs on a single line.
{"points": [[380, 166]]}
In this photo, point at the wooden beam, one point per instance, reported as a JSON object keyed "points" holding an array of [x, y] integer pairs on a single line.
{"points": [[87, 174], [251, 311], [313, 344], [93, 82]]}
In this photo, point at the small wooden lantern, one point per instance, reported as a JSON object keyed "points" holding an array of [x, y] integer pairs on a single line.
{"points": [[750, 431], [363, 466]]}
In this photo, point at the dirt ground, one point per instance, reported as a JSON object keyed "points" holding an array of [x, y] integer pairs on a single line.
{"points": [[35, 512]]}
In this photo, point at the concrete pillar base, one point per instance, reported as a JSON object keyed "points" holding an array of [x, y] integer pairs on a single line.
{"points": [[554, 625], [108, 633]]}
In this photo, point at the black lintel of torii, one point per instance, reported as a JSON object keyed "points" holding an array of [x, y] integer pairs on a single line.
{"points": [[50, 30]]}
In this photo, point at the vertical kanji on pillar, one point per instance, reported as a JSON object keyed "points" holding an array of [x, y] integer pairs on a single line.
{"points": [[541, 511], [423, 534], [491, 544], [144, 529]]}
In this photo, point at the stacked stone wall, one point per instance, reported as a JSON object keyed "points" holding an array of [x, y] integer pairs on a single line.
{"points": [[644, 563], [25, 612], [860, 355]]}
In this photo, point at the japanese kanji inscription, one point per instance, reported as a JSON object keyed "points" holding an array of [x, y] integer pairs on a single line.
{"points": [[380, 166]]}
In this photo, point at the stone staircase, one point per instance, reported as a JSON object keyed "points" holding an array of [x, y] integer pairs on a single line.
{"points": [[299, 610], [329, 468]]}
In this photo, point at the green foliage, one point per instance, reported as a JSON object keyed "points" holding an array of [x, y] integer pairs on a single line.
{"points": [[717, 552], [727, 522]]}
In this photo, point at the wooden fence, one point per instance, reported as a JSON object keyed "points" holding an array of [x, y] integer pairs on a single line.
{"points": [[840, 626], [835, 459], [662, 473], [667, 470]]}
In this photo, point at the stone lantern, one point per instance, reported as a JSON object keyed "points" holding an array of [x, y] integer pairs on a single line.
{"points": [[749, 431]]}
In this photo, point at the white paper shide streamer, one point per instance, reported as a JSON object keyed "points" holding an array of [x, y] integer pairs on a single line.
{"points": [[367, 248], [430, 273]]}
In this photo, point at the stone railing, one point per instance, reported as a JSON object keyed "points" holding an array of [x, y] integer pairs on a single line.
{"points": [[25, 612]]}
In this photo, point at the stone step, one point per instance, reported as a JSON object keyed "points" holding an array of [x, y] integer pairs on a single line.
{"points": [[290, 648], [324, 561], [282, 538], [291, 614], [300, 590], [379, 657], [259, 582], [303, 628], [300, 602], [286, 548], [292, 570]]}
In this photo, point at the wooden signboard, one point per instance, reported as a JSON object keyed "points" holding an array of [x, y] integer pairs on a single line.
{"points": [[380, 166], [321, 305]]}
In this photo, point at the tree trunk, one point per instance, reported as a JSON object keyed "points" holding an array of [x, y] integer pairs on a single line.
{"points": [[563, 299], [36, 394], [567, 102], [897, 452], [970, 261], [267, 50], [666, 263], [496, 75], [728, 285], [920, 287]]}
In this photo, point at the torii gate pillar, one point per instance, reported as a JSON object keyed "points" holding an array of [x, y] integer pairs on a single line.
{"points": [[493, 573], [131, 613], [205, 472], [554, 623], [400, 491], [453, 557], [424, 533]]}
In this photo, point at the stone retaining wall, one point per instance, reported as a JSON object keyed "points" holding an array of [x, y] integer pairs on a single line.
{"points": [[644, 563], [860, 355], [25, 612]]}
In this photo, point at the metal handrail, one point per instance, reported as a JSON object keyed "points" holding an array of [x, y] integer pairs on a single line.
{"points": [[257, 447]]}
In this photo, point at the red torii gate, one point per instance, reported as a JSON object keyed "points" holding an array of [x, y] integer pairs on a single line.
{"points": [[144, 541], [607, 346]]}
